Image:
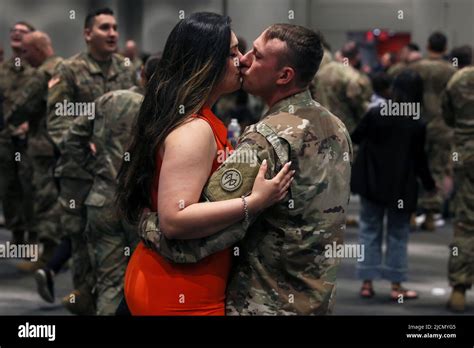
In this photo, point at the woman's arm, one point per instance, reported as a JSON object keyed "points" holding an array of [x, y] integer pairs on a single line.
{"points": [[187, 160]]}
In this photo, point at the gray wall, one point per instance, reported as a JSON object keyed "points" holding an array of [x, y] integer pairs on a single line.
{"points": [[150, 21]]}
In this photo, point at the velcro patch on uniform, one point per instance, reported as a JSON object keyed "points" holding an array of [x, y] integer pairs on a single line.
{"points": [[231, 180], [53, 82]]}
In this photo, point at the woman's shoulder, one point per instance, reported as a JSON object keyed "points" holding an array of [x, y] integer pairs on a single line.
{"points": [[193, 130]]}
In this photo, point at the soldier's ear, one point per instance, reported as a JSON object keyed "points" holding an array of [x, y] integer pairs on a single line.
{"points": [[286, 75], [87, 34]]}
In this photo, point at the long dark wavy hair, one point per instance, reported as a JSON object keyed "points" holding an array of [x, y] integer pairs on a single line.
{"points": [[193, 62]]}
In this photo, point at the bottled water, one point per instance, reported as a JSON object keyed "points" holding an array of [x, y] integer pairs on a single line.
{"points": [[233, 132]]}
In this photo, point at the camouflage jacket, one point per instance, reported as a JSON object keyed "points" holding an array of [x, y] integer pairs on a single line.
{"points": [[344, 91], [435, 74], [30, 104], [77, 82], [396, 69], [109, 131], [281, 267], [14, 75], [458, 112]]}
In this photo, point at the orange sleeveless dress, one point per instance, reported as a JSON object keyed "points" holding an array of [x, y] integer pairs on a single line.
{"points": [[155, 286]]}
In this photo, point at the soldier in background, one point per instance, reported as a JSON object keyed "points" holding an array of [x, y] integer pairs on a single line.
{"points": [[110, 239], [461, 55], [281, 267], [31, 103], [435, 73], [343, 89], [77, 82], [131, 52], [405, 57], [15, 169], [458, 112]]}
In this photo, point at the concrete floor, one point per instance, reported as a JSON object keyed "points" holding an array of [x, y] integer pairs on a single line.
{"points": [[428, 255]]}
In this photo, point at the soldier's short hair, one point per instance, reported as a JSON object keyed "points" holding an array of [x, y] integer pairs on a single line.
{"points": [[89, 22], [304, 53], [413, 46], [463, 54], [26, 24], [437, 42], [350, 50]]}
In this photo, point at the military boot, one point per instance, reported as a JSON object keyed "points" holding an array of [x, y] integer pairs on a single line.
{"points": [[80, 302], [48, 251], [457, 301], [429, 223]]}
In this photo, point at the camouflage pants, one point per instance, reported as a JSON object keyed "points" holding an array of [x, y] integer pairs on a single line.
{"points": [[73, 193], [461, 258], [439, 152], [47, 210], [15, 188], [110, 243]]}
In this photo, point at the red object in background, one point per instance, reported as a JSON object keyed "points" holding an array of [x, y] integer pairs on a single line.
{"points": [[369, 36], [392, 43]]}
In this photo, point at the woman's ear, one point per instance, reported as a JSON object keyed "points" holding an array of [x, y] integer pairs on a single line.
{"points": [[287, 74]]}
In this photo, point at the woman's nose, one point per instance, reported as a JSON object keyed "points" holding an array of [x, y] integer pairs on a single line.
{"points": [[245, 59]]}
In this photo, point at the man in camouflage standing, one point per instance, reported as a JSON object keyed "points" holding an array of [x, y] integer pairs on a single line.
{"points": [[31, 103], [110, 239], [15, 169], [343, 89], [77, 82], [435, 73], [282, 266], [458, 112]]}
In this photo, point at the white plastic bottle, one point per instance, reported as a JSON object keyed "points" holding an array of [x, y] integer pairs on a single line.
{"points": [[233, 132]]}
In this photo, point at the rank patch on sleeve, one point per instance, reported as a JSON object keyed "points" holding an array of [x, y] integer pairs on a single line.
{"points": [[231, 180]]}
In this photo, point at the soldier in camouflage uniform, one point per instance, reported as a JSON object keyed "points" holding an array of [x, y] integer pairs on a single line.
{"points": [[110, 240], [31, 103], [281, 267], [405, 58], [435, 73], [458, 112], [343, 89], [77, 82], [15, 167]]}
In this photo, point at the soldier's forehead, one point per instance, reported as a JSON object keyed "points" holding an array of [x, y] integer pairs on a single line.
{"points": [[104, 18]]}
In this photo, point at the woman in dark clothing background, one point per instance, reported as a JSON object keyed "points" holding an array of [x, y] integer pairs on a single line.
{"points": [[390, 160]]}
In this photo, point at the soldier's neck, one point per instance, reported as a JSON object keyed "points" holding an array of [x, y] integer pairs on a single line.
{"points": [[100, 57], [435, 55], [16, 52], [280, 95]]}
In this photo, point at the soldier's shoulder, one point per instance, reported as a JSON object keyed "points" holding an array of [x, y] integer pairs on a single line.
{"points": [[120, 62], [332, 67], [73, 63], [50, 65], [122, 95], [302, 119], [464, 74]]}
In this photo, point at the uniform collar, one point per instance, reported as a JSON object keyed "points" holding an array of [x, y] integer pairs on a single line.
{"points": [[298, 99], [94, 67], [12, 66]]}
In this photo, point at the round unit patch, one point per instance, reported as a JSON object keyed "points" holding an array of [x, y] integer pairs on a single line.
{"points": [[231, 180]]}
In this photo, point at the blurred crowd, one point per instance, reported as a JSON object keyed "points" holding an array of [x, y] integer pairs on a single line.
{"points": [[54, 194]]}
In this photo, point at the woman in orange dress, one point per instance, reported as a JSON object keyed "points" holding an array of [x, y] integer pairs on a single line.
{"points": [[175, 144]]}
